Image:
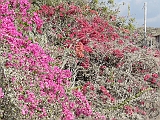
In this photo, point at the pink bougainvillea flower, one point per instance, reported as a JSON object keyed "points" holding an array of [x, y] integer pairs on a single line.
{"points": [[1, 93], [153, 81], [85, 64], [88, 49], [155, 75], [79, 50], [118, 53], [120, 42], [128, 109], [147, 76]]}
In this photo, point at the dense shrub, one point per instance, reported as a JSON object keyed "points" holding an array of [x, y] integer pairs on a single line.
{"points": [[70, 61]]}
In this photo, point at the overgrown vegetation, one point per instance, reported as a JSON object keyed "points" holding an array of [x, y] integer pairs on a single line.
{"points": [[72, 60]]}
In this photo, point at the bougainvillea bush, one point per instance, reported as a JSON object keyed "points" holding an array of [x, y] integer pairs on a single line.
{"points": [[70, 61]]}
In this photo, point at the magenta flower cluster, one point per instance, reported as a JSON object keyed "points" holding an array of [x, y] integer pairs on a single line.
{"points": [[1, 93], [28, 56]]}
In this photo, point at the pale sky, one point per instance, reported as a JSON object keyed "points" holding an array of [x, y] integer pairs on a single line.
{"points": [[137, 11]]}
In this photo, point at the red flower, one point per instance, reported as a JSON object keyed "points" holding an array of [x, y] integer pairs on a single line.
{"points": [[118, 53], [67, 43], [147, 76], [153, 81], [155, 75], [102, 67], [88, 49], [79, 54], [84, 41], [85, 64], [79, 46], [129, 89], [120, 42], [79, 50]]}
